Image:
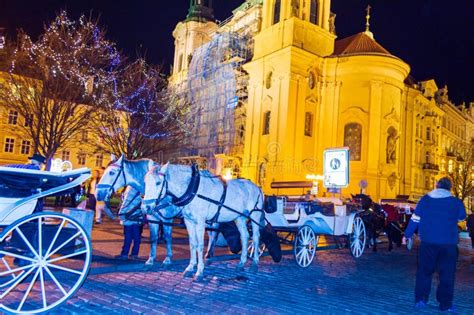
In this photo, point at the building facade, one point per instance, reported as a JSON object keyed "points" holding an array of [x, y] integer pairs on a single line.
{"points": [[305, 90]]}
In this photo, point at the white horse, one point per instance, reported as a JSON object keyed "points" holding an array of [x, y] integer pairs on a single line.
{"points": [[206, 198], [122, 173]]}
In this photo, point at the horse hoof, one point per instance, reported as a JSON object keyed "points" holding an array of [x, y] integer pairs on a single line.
{"points": [[149, 262], [199, 278], [253, 268], [166, 265], [187, 274], [208, 262], [240, 267]]}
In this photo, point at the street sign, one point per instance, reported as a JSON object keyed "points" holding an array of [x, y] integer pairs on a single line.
{"points": [[336, 167]]}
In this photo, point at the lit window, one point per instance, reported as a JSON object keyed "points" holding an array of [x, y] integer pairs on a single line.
{"points": [[276, 11], [99, 160], [266, 123], [81, 159], [66, 155], [28, 120], [9, 145], [308, 124], [25, 147], [12, 117]]}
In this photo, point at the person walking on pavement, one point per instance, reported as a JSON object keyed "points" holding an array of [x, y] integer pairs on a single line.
{"points": [[436, 217], [91, 200], [470, 227]]}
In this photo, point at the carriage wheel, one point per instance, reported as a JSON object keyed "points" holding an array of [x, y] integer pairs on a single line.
{"points": [[358, 237], [306, 242], [44, 259], [261, 249]]}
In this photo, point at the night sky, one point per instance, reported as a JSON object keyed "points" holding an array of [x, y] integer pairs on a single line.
{"points": [[435, 37]]}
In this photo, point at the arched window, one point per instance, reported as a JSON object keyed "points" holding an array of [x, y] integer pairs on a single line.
{"points": [[276, 11], [353, 140], [313, 13]]}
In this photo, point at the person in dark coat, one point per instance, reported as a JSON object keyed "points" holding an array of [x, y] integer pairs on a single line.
{"points": [[470, 227], [436, 217]]}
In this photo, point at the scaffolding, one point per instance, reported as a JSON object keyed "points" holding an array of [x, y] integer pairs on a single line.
{"points": [[217, 91]]}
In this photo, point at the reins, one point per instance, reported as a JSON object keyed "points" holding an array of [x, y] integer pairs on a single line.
{"points": [[110, 187]]}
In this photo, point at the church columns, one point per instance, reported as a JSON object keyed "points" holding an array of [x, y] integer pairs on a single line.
{"points": [[374, 135], [326, 11]]}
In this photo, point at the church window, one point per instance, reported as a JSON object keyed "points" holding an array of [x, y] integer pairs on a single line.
{"points": [[266, 123], [450, 166], [180, 62], [353, 140], [313, 14], [427, 157], [428, 133], [308, 125], [276, 11]]}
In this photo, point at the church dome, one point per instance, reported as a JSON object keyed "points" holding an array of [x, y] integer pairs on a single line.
{"points": [[359, 44]]}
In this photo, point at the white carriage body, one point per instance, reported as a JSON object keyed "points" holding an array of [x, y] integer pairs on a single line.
{"points": [[39, 243], [13, 208], [293, 213]]}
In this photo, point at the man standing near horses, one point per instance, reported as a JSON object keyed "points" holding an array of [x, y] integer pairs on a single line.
{"points": [[436, 217]]}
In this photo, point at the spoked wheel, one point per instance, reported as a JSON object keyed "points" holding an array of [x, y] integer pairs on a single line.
{"points": [[306, 242], [44, 259], [358, 238], [261, 249]]}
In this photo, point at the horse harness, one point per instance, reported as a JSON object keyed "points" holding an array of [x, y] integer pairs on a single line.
{"points": [[192, 192], [110, 188]]}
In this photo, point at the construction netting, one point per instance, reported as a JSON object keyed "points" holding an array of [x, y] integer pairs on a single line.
{"points": [[217, 90]]}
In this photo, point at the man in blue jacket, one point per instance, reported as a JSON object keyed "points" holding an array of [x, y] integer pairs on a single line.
{"points": [[436, 217]]}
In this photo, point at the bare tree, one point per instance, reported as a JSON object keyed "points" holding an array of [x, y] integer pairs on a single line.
{"points": [[49, 81], [462, 174], [143, 116]]}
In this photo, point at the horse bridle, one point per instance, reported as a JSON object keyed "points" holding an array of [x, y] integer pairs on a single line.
{"points": [[110, 188]]}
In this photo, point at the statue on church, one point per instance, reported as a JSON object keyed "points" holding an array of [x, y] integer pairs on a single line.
{"points": [[392, 145], [295, 8], [332, 23]]}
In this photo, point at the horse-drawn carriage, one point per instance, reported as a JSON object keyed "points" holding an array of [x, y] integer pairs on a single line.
{"points": [[44, 256], [306, 219]]}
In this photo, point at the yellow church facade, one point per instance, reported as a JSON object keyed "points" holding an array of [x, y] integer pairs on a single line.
{"points": [[307, 90]]}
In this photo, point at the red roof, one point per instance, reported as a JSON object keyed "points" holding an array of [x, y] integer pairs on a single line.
{"points": [[359, 44]]}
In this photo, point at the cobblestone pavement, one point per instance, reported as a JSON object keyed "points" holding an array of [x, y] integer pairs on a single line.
{"points": [[335, 283]]}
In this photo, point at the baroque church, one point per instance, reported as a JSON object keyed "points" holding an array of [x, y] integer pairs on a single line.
{"points": [[273, 86]]}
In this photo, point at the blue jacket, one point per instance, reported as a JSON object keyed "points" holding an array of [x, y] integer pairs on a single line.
{"points": [[436, 217]]}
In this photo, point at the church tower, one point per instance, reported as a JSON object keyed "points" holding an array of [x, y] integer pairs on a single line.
{"points": [[284, 90], [190, 34]]}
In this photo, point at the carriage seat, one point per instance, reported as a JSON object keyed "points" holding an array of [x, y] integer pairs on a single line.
{"points": [[326, 208], [270, 204]]}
